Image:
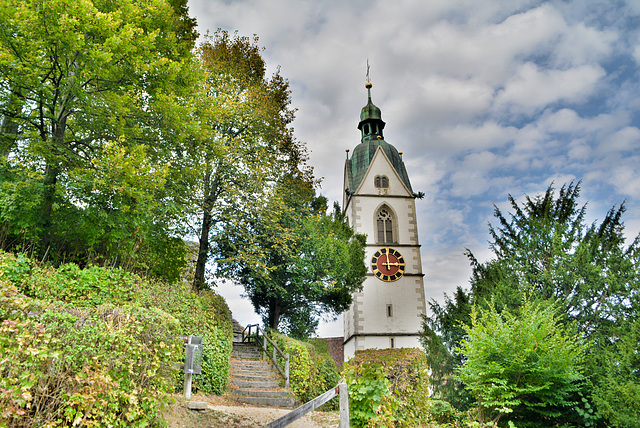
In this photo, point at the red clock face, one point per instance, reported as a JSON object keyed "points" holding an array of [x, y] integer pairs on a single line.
{"points": [[387, 264]]}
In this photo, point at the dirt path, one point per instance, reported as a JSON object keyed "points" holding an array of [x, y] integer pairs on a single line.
{"points": [[225, 413]]}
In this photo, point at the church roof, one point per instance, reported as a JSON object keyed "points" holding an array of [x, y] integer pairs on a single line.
{"points": [[372, 138]]}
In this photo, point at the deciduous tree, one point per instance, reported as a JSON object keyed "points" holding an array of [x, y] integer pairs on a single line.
{"points": [[240, 141], [84, 88], [295, 261]]}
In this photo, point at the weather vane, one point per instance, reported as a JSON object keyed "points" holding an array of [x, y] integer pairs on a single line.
{"points": [[368, 77]]}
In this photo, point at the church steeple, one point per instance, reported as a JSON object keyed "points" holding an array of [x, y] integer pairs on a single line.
{"points": [[371, 126]]}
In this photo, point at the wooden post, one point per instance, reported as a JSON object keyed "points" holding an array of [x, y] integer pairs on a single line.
{"points": [[344, 405], [264, 346], [286, 370]]}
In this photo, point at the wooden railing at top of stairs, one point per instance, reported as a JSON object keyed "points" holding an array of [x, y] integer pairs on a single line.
{"points": [[252, 332]]}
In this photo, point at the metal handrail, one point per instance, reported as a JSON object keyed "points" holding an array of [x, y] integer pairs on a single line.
{"points": [[247, 338]]}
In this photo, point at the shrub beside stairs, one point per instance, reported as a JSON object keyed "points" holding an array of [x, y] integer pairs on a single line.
{"points": [[255, 381]]}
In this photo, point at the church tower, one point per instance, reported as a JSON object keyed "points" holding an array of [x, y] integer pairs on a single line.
{"points": [[379, 202]]}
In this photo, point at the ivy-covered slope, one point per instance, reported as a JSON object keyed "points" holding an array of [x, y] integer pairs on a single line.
{"points": [[99, 347]]}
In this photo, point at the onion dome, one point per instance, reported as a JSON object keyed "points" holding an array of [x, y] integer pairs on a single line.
{"points": [[371, 126]]}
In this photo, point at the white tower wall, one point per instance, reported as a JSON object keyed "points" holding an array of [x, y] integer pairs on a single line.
{"points": [[385, 314]]}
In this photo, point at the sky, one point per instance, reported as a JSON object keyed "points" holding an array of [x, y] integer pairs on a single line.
{"points": [[486, 99]]}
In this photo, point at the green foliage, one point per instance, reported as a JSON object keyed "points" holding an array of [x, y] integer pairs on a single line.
{"points": [[89, 287], [370, 400], [311, 370], [544, 249], [201, 313], [618, 401], [239, 145], [295, 261], [523, 365], [104, 336], [441, 351], [83, 151], [101, 366], [389, 387]]}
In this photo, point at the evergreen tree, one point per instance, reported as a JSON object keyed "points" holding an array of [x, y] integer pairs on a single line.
{"points": [[544, 249]]}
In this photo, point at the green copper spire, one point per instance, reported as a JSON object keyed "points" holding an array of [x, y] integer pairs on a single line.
{"points": [[371, 126]]}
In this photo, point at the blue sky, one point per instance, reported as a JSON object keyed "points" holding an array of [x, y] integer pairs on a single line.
{"points": [[484, 98]]}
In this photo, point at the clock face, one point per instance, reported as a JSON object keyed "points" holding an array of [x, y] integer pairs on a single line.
{"points": [[387, 264]]}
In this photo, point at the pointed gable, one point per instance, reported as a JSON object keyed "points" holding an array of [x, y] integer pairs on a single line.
{"points": [[381, 166]]}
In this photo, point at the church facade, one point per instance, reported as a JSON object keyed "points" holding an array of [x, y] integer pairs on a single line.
{"points": [[380, 203]]}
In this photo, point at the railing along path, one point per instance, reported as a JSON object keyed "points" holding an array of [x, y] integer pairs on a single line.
{"points": [[247, 336], [253, 331]]}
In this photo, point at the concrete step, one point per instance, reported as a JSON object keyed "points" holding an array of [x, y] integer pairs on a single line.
{"points": [[255, 384], [252, 364], [260, 392], [263, 370], [268, 401], [256, 377], [246, 355]]}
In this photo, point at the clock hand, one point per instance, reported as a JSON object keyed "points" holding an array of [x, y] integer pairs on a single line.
{"points": [[388, 264]]}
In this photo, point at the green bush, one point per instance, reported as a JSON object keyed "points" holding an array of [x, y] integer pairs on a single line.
{"points": [[202, 313], [523, 366], [370, 400], [103, 366], [388, 387]]}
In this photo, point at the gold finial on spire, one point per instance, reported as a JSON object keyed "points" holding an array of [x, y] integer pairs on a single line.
{"points": [[368, 85]]}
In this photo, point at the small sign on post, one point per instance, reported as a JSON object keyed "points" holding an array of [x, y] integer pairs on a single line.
{"points": [[192, 362]]}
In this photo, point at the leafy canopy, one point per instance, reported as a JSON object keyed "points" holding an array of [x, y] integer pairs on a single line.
{"points": [[87, 90], [295, 261]]}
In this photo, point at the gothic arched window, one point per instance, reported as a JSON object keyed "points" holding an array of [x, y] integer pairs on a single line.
{"points": [[384, 223], [381, 181]]}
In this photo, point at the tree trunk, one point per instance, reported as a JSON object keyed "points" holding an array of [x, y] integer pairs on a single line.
{"points": [[48, 199], [274, 313], [9, 126], [203, 252], [51, 172], [207, 220]]}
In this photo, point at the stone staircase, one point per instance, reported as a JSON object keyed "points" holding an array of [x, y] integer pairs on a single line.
{"points": [[255, 381]]}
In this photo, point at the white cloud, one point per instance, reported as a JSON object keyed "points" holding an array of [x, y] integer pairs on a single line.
{"points": [[533, 88], [626, 180], [623, 140], [487, 135]]}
